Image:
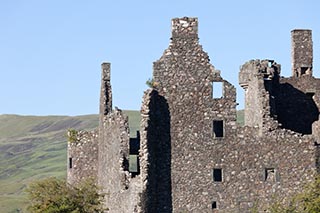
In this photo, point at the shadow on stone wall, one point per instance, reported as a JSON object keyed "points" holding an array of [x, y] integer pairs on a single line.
{"points": [[159, 197], [295, 110], [317, 157]]}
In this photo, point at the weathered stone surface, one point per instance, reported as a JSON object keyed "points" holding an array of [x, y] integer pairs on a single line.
{"points": [[301, 52], [82, 156], [193, 156], [155, 152], [258, 77], [122, 191], [185, 79], [105, 92]]}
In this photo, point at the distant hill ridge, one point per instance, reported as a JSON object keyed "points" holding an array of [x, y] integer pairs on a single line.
{"points": [[34, 147]]}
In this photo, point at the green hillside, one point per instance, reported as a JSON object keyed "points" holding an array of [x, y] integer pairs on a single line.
{"points": [[240, 117], [34, 147]]}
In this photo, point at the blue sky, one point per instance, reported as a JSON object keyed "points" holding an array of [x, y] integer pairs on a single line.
{"points": [[51, 50]]}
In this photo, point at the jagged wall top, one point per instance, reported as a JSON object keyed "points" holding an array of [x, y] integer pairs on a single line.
{"points": [[266, 68], [105, 92], [105, 71], [184, 27]]}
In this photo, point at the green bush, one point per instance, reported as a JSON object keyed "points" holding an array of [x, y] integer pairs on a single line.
{"points": [[151, 83], [53, 195], [72, 135]]}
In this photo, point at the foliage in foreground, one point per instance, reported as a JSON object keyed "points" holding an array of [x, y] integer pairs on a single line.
{"points": [[151, 83], [306, 202], [52, 195]]}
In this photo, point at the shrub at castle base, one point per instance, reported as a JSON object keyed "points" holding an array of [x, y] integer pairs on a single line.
{"points": [[54, 195], [307, 201]]}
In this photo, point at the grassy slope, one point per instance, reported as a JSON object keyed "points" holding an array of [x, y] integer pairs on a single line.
{"points": [[33, 147]]}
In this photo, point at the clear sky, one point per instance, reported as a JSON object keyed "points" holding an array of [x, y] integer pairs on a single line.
{"points": [[51, 50]]}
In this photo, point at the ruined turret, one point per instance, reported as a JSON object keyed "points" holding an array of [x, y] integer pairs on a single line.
{"points": [[257, 78], [301, 52], [105, 92]]}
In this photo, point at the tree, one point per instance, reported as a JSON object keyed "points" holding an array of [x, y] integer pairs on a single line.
{"points": [[307, 201], [52, 195]]}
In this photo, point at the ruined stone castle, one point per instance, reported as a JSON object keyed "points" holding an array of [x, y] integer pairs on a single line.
{"points": [[190, 153]]}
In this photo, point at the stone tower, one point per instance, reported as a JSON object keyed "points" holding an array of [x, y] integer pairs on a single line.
{"points": [[301, 52], [202, 110]]}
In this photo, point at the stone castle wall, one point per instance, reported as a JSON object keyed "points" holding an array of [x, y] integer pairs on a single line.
{"points": [[121, 189], [257, 169], [298, 103], [185, 78], [193, 157], [257, 78], [82, 156], [155, 152]]}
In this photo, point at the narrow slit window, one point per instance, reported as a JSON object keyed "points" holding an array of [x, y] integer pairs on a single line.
{"points": [[217, 175], [217, 89], [214, 205], [218, 129], [70, 163]]}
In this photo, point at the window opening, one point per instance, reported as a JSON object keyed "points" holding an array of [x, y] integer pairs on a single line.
{"points": [[217, 175], [134, 165], [70, 163], [214, 205], [218, 129], [270, 174], [303, 70], [310, 93], [134, 146], [217, 89]]}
